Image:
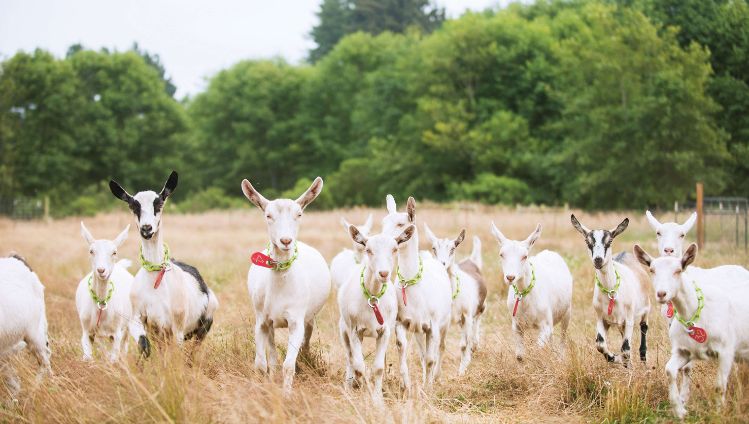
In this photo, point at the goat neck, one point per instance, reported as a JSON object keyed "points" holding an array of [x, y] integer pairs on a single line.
{"points": [[408, 257]]}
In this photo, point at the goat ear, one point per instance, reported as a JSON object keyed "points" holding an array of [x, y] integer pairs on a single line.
{"points": [[461, 237], [578, 226], [689, 223], [642, 255], [531, 240], [498, 234], [390, 204], [122, 236], [311, 194], [253, 195], [406, 234], [86, 234], [356, 235], [620, 228], [411, 209], [345, 223], [119, 192], [430, 235], [689, 256], [170, 185], [652, 221], [367, 227]]}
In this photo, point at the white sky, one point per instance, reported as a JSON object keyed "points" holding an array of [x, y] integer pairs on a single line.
{"points": [[195, 38]]}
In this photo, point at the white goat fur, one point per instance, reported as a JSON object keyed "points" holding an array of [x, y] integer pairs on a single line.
{"points": [[357, 317], [549, 302], [632, 302], [469, 303], [289, 298], [725, 318], [182, 306], [671, 235], [349, 260], [429, 302], [22, 319], [117, 319]]}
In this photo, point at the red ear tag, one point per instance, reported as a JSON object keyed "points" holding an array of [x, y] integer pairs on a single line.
{"points": [[159, 277], [670, 310], [611, 305], [378, 315], [698, 334], [515, 309], [403, 292], [261, 259]]}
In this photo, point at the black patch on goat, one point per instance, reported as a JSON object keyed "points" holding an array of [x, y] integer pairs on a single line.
{"points": [[21, 259], [643, 343], [134, 206], [195, 274], [204, 326], [145, 346], [620, 257], [158, 203], [599, 338], [625, 346]]}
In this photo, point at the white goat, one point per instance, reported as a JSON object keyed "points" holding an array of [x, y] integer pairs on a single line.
{"points": [[425, 297], [670, 236], [349, 260], [103, 297], [169, 296], [22, 319], [620, 294], [288, 284], [541, 289], [468, 288], [369, 306], [711, 321]]}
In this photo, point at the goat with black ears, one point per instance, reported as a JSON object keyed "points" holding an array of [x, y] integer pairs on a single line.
{"points": [[170, 297]]}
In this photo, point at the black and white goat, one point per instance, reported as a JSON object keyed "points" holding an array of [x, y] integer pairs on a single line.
{"points": [[169, 296]]}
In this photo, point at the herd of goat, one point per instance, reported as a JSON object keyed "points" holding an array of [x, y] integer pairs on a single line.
{"points": [[385, 284]]}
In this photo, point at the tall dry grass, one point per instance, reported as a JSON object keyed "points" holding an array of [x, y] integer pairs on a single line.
{"points": [[219, 384]]}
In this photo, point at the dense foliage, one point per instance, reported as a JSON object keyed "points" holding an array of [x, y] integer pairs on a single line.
{"points": [[600, 104]]}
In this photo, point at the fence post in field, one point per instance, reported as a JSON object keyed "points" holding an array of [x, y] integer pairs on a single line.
{"points": [[700, 218], [46, 208]]}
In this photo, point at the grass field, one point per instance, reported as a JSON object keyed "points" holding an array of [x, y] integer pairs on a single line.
{"points": [[220, 384]]}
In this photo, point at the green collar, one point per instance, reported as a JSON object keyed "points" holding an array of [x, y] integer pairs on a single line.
{"points": [[150, 266], [100, 303], [283, 266], [405, 283], [371, 299], [522, 294], [696, 316], [610, 292], [457, 286]]}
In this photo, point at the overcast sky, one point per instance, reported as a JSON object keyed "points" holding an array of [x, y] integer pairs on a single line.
{"points": [[195, 38]]}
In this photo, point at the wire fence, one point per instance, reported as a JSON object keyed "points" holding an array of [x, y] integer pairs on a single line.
{"points": [[22, 207], [726, 219]]}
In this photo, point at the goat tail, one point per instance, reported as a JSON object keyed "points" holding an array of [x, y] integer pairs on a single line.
{"points": [[476, 252], [125, 263]]}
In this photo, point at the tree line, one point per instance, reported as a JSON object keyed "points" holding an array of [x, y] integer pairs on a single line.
{"points": [[599, 104]]}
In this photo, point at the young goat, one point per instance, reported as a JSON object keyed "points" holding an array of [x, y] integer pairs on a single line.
{"points": [[289, 284], [620, 294], [541, 289], [711, 321], [103, 297], [425, 297], [169, 296], [22, 319], [670, 236], [349, 260], [468, 288], [368, 304]]}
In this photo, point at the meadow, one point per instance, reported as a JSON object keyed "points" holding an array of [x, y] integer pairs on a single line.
{"points": [[219, 383]]}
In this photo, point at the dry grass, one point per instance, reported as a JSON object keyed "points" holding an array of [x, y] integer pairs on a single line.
{"points": [[220, 385]]}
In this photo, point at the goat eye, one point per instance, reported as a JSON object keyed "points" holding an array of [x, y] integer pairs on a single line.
{"points": [[269, 218], [525, 257], [369, 251], [114, 253], [652, 271], [91, 251], [395, 250], [658, 233], [299, 215], [681, 236]]}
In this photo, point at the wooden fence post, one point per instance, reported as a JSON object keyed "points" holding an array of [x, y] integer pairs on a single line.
{"points": [[700, 218]]}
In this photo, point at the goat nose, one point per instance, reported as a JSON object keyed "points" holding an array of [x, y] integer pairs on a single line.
{"points": [[668, 250], [384, 274], [286, 241], [661, 294], [510, 278], [146, 227], [100, 270]]}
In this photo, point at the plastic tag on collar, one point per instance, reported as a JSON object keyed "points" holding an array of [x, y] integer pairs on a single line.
{"points": [[261, 259], [403, 293], [159, 277], [612, 302], [670, 310], [698, 334], [378, 314], [515, 309], [98, 317]]}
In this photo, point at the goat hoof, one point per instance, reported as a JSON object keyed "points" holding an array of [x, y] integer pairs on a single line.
{"points": [[144, 346]]}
